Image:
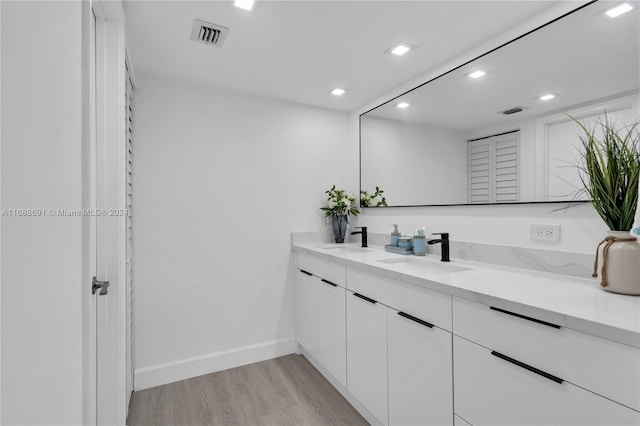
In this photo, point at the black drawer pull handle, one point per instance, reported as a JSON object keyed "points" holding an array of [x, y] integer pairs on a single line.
{"points": [[365, 298], [527, 367], [548, 324], [305, 272], [329, 282], [418, 320]]}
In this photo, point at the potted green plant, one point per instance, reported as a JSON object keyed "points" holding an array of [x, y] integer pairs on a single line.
{"points": [[610, 170], [341, 205]]}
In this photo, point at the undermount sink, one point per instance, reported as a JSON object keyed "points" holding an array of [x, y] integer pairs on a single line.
{"points": [[425, 265], [342, 249]]}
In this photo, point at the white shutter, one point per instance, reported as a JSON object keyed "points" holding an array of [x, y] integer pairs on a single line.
{"points": [[479, 171], [506, 168], [129, 230], [493, 169]]}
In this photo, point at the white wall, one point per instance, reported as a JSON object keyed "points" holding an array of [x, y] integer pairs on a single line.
{"points": [[42, 136], [220, 181], [403, 157]]}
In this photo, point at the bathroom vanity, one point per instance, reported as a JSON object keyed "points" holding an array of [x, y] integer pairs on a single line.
{"points": [[411, 340]]}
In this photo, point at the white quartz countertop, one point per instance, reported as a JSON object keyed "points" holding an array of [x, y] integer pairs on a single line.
{"points": [[567, 301]]}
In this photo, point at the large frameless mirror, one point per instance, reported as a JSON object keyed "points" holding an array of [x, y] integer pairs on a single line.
{"points": [[496, 130]]}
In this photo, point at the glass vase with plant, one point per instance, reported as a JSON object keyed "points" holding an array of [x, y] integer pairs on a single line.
{"points": [[341, 205]]}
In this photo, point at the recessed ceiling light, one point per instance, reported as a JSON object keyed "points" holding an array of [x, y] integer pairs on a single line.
{"points": [[619, 10], [337, 91], [244, 4], [547, 97], [400, 48], [476, 74], [403, 105]]}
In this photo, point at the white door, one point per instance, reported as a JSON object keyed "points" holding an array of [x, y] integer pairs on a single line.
{"points": [[107, 225], [307, 312], [129, 129], [419, 371], [90, 415], [493, 168], [100, 291], [332, 329]]}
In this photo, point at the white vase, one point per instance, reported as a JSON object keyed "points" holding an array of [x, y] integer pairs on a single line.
{"points": [[622, 263]]}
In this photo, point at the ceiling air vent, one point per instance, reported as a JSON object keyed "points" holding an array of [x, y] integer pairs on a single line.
{"points": [[513, 110], [208, 33]]}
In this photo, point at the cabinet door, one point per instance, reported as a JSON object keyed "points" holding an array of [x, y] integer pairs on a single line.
{"points": [[332, 330], [490, 390], [307, 312], [574, 356], [367, 354], [420, 375]]}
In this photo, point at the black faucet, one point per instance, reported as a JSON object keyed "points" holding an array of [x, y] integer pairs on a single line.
{"points": [[364, 234], [445, 244]]}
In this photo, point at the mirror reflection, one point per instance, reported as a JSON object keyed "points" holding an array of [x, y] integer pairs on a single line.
{"points": [[496, 130]]}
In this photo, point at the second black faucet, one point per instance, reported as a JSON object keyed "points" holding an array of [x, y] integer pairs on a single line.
{"points": [[363, 231], [444, 240]]}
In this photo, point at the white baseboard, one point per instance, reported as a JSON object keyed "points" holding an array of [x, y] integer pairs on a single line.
{"points": [[162, 374]]}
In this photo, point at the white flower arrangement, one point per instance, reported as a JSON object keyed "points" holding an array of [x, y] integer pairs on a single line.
{"points": [[375, 200], [341, 203]]}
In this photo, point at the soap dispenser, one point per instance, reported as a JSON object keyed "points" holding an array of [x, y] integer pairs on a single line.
{"points": [[419, 248], [395, 236]]}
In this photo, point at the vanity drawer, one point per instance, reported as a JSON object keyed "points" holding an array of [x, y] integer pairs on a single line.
{"points": [[323, 269], [428, 305], [490, 390], [607, 368]]}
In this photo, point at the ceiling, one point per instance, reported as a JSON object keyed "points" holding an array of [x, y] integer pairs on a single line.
{"points": [[583, 57], [299, 50]]}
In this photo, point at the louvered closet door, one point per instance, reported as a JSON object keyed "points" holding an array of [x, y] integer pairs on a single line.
{"points": [[479, 171], [129, 231], [493, 169], [506, 168]]}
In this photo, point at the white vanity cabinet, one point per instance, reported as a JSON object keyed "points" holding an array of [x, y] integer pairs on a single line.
{"points": [[493, 391], [307, 311], [511, 369], [332, 329], [419, 371], [398, 351], [320, 313], [406, 354], [367, 353]]}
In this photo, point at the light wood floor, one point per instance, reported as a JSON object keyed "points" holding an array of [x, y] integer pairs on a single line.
{"points": [[282, 391]]}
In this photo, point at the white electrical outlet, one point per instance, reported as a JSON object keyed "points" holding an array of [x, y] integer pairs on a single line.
{"points": [[547, 233]]}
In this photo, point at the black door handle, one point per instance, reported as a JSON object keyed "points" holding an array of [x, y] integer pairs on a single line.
{"points": [[418, 320], [527, 367], [365, 298], [548, 324], [328, 282]]}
